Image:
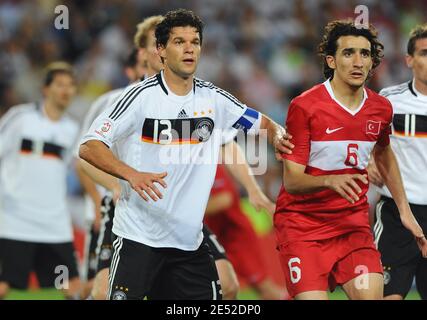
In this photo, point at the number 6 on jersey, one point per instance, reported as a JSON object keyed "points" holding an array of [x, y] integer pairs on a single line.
{"points": [[294, 271]]}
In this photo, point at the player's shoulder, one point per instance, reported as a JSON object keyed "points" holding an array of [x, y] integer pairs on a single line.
{"points": [[396, 90], [203, 87], [70, 123], [306, 99], [142, 87], [108, 96], [377, 97], [17, 111]]}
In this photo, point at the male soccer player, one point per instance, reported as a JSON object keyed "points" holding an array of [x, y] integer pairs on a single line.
{"points": [[36, 141], [142, 63], [94, 195], [321, 218], [164, 131], [399, 253]]}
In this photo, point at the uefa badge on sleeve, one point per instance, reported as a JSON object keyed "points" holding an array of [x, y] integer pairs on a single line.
{"points": [[105, 128], [373, 127]]}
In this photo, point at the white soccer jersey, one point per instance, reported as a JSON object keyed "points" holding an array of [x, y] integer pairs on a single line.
{"points": [[34, 153], [156, 131], [409, 139], [105, 100]]}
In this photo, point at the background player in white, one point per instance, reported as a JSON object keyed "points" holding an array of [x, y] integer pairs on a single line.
{"points": [[36, 141], [147, 63], [135, 70], [172, 239], [399, 253]]}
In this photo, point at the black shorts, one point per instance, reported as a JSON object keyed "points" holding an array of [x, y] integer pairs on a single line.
{"points": [[48, 260], [139, 271], [106, 236], [400, 255], [90, 253], [216, 249]]}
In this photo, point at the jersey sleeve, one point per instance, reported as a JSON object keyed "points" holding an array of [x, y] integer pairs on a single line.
{"points": [[298, 125], [117, 121], [384, 136], [95, 109], [237, 115], [9, 127]]}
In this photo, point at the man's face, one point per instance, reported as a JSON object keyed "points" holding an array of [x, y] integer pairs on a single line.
{"points": [[352, 61], [182, 51], [61, 90], [418, 62]]}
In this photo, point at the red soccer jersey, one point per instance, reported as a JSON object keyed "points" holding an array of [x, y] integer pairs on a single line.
{"points": [[330, 139]]}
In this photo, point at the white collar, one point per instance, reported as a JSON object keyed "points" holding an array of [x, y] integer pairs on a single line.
{"points": [[328, 87]]}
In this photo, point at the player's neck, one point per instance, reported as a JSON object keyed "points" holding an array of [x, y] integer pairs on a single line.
{"points": [[177, 84], [349, 96], [52, 112], [420, 87]]}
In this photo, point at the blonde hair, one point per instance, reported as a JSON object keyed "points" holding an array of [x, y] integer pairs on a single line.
{"points": [[419, 32], [142, 29], [56, 67]]}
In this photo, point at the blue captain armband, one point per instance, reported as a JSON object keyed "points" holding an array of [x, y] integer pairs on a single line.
{"points": [[247, 120]]}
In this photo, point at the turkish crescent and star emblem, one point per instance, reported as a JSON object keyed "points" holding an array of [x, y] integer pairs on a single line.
{"points": [[373, 127]]}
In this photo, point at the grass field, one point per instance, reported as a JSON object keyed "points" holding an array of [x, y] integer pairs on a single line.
{"points": [[248, 294], [262, 223]]}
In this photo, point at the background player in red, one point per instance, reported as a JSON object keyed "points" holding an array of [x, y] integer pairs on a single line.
{"points": [[234, 231], [321, 217]]}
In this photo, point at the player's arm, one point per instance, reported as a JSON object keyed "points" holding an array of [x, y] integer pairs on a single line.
{"points": [[219, 202], [237, 165], [296, 181], [99, 155], [118, 122], [100, 177], [389, 169], [277, 137], [252, 121], [89, 187]]}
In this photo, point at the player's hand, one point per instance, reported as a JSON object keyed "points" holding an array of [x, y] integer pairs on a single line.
{"points": [[282, 144], [373, 174], [143, 184], [346, 186], [410, 223], [260, 201]]}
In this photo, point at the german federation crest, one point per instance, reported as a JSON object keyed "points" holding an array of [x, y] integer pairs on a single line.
{"points": [[203, 129]]}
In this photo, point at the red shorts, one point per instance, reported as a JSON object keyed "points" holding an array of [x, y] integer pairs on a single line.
{"points": [[317, 265], [247, 258]]}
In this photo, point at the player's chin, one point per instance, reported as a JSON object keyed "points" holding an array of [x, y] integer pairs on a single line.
{"points": [[356, 82]]}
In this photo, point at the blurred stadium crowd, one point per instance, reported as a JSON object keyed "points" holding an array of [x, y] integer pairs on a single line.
{"points": [[264, 52]]}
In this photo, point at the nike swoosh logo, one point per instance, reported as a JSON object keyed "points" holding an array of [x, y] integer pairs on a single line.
{"points": [[329, 131]]}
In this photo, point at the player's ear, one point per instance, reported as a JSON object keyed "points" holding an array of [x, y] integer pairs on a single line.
{"points": [[161, 51], [409, 60], [330, 60]]}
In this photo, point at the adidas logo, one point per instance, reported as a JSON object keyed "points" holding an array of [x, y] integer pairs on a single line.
{"points": [[182, 114]]}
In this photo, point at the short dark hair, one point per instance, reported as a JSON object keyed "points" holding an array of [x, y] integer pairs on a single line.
{"points": [[132, 59], [339, 28], [55, 68], [177, 18], [419, 32]]}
